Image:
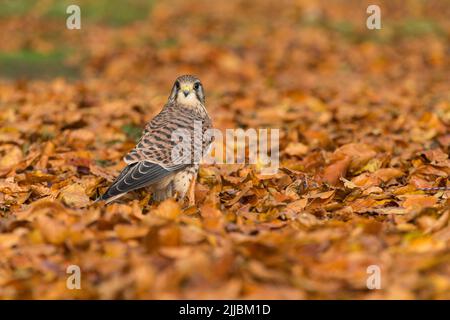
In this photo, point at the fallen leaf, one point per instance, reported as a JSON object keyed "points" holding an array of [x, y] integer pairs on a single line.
{"points": [[74, 196], [168, 209]]}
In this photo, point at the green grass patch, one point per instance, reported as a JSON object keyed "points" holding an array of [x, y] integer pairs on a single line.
{"points": [[418, 27], [32, 64], [132, 131], [103, 163], [15, 8], [111, 12], [390, 30]]}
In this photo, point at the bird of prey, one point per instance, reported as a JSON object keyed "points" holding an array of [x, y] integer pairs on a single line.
{"points": [[153, 162]]}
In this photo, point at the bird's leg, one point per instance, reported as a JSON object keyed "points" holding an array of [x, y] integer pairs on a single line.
{"points": [[191, 192]]}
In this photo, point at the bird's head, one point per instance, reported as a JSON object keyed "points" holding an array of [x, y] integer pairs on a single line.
{"points": [[187, 90]]}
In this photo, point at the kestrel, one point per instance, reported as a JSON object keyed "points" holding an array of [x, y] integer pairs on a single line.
{"points": [[153, 163]]}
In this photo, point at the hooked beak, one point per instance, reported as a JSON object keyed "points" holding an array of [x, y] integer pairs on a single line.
{"points": [[186, 90]]}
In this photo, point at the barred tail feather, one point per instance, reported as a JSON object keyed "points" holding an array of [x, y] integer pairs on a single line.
{"points": [[434, 189]]}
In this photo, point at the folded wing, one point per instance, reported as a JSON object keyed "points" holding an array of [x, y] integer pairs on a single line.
{"points": [[138, 175]]}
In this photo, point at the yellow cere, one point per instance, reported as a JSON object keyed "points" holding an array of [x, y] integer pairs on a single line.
{"points": [[186, 87]]}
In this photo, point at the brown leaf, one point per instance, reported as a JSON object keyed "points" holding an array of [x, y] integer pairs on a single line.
{"points": [[358, 153], [11, 158], [126, 232], [336, 170], [53, 231], [168, 209], [418, 201], [74, 196], [296, 149]]}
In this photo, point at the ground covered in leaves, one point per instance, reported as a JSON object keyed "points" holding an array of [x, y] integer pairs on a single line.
{"points": [[364, 119]]}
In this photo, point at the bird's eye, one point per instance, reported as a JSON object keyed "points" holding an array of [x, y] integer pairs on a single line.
{"points": [[177, 85], [196, 85]]}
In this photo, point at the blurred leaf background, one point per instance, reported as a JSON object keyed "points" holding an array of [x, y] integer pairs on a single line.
{"points": [[364, 116]]}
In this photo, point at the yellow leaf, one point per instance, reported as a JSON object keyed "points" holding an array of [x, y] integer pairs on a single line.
{"points": [[52, 230], [418, 201], [169, 209], [11, 158], [126, 232], [74, 196], [372, 166], [296, 149]]}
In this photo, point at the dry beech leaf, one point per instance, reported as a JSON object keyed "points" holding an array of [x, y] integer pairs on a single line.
{"points": [[52, 230], [358, 153], [336, 170], [419, 201], [296, 149], [74, 196], [12, 157], [126, 232], [168, 209]]}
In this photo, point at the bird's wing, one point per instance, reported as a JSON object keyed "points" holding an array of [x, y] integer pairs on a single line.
{"points": [[152, 159], [160, 142], [138, 175]]}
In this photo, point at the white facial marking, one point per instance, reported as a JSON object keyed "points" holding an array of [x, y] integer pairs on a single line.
{"points": [[190, 99]]}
